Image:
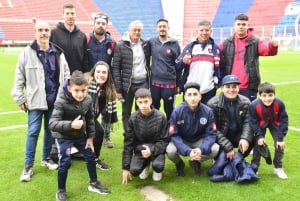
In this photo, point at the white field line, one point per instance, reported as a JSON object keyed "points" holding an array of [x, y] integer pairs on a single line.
{"points": [[22, 126]]}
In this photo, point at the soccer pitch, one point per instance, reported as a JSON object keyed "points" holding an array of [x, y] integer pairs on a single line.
{"points": [[282, 70]]}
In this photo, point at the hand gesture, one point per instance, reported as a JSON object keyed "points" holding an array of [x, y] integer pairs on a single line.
{"points": [[89, 144], [280, 145], [195, 154], [243, 145], [126, 176], [77, 123], [146, 153]]}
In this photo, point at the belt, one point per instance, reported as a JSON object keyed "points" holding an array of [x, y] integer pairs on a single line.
{"points": [[168, 86]]}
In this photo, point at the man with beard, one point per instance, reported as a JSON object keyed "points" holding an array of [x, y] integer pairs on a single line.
{"points": [[100, 47], [73, 41], [164, 76]]}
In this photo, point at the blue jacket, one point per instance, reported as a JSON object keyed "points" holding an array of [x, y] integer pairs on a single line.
{"points": [[164, 55], [259, 120], [236, 169], [191, 126], [99, 51]]}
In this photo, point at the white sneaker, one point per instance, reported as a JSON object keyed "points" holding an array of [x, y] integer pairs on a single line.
{"points": [[26, 174], [156, 176], [145, 173], [280, 173], [49, 163]]}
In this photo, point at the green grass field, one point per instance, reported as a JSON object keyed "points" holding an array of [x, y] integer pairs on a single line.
{"points": [[282, 70]]}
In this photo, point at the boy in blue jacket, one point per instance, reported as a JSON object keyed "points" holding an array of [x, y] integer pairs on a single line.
{"points": [[269, 112], [72, 123], [193, 131]]}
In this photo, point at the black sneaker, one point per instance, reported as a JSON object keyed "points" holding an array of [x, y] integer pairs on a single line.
{"points": [[61, 196], [196, 167], [97, 187], [180, 169], [101, 165]]}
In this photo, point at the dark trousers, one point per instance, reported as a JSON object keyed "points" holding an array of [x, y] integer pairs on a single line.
{"points": [[129, 98], [98, 140], [249, 93], [168, 96], [138, 163], [64, 155], [278, 155], [205, 97], [235, 143]]}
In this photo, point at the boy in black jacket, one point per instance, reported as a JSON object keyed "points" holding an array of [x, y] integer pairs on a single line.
{"points": [[145, 140], [72, 123]]}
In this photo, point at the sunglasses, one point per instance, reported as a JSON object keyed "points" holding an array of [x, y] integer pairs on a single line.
{"points": [[101, 16]]}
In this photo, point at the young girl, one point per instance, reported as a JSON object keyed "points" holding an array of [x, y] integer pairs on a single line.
{"points": [[103, 93]]}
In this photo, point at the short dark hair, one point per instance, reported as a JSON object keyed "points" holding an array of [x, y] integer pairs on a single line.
{"points": [[101, 15], [204, 23], [78, 78], [191, 85], [242, 17], [162, 20], [266, 87], [142, 93], [68, 5]]}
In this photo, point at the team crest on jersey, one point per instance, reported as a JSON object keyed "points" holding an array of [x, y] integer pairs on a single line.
{"points": [[109, 51], [168, 51], [203, 121]]}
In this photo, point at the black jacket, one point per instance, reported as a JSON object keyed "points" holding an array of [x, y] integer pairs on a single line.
{"points": [[66, 109], [74, 45], [217, 103], [123, 63], [150, 130]]}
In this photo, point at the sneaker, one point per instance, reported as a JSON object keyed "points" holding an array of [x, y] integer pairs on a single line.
{"points": [[156, 176], [108, 143], [26, 174], [145, 173], [280, 173], [49, 163], [61, 196], [196, 167], [101, 165], [97, 187], [180, 169]]}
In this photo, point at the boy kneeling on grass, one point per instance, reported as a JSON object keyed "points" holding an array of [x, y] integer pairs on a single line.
{"points": [[269, 112], [145, 140], [72, 123]]}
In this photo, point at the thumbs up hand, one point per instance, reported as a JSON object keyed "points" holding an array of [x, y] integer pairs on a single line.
{"points": [[77, 123]]}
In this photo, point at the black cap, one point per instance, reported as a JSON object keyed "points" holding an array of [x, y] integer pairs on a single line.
{"points": [[191, 85]]}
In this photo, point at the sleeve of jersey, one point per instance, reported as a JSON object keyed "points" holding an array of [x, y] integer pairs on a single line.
{"points": [[176, 139]]}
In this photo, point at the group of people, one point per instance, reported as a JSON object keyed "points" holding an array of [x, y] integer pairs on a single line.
{"points": [[70, 79]]}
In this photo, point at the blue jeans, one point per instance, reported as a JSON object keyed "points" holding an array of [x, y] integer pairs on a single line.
{"points": [[35, 118]]}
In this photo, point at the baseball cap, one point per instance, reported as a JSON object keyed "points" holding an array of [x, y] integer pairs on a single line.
{"points": [[230, 79], [191, 85]]}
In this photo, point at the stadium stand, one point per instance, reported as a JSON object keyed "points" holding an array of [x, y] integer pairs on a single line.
{"points": [[121, 13], [265, 19], [195, 11], [17, 19]]}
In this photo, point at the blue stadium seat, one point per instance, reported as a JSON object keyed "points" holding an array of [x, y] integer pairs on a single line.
{"points": [[2, 35], [121, 13], [227, 10]]}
